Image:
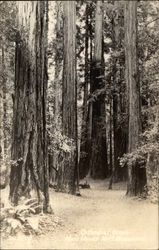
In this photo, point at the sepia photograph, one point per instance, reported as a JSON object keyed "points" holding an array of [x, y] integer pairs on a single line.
{"points": [[79, 125]]}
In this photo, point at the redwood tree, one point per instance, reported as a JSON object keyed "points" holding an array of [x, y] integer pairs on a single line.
{"points": [[99, 167], [29, 148], [1, 117], [119, 129], [68, 170], [133, 89]]}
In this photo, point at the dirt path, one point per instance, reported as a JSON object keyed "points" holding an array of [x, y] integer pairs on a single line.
{"points": [[99, 219]]}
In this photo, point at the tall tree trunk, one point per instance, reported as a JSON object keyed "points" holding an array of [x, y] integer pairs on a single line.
{"points": [[118, 76], [111, 167], [4, 98], [83, 163], [57, 123], [111, 139], [29, 147], [69, 98], [132, 87], [99, 167], [2, 155], [115, 94], [90, 105]]}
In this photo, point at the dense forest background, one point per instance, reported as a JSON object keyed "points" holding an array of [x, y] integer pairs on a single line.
{"points": [[79, 97]]}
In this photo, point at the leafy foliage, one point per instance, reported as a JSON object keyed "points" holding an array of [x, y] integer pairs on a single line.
{"points": [[26, 218]]}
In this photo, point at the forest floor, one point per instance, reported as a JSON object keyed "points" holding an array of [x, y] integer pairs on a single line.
{"points": [[98, 219]]}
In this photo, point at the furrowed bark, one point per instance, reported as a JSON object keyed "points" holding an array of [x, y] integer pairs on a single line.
{"points": [[29, 148], [2, 155], [69, 99], [133, 89]]}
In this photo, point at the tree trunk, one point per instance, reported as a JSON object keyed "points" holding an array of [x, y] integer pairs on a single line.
{"points": [[4, 98], [57, 122], [2, 155], [69, 98], [111, 167], [29, 148], [118, 96], [84, 163], [132, 80], [90, 105], [99, 167], [111, 140]]}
